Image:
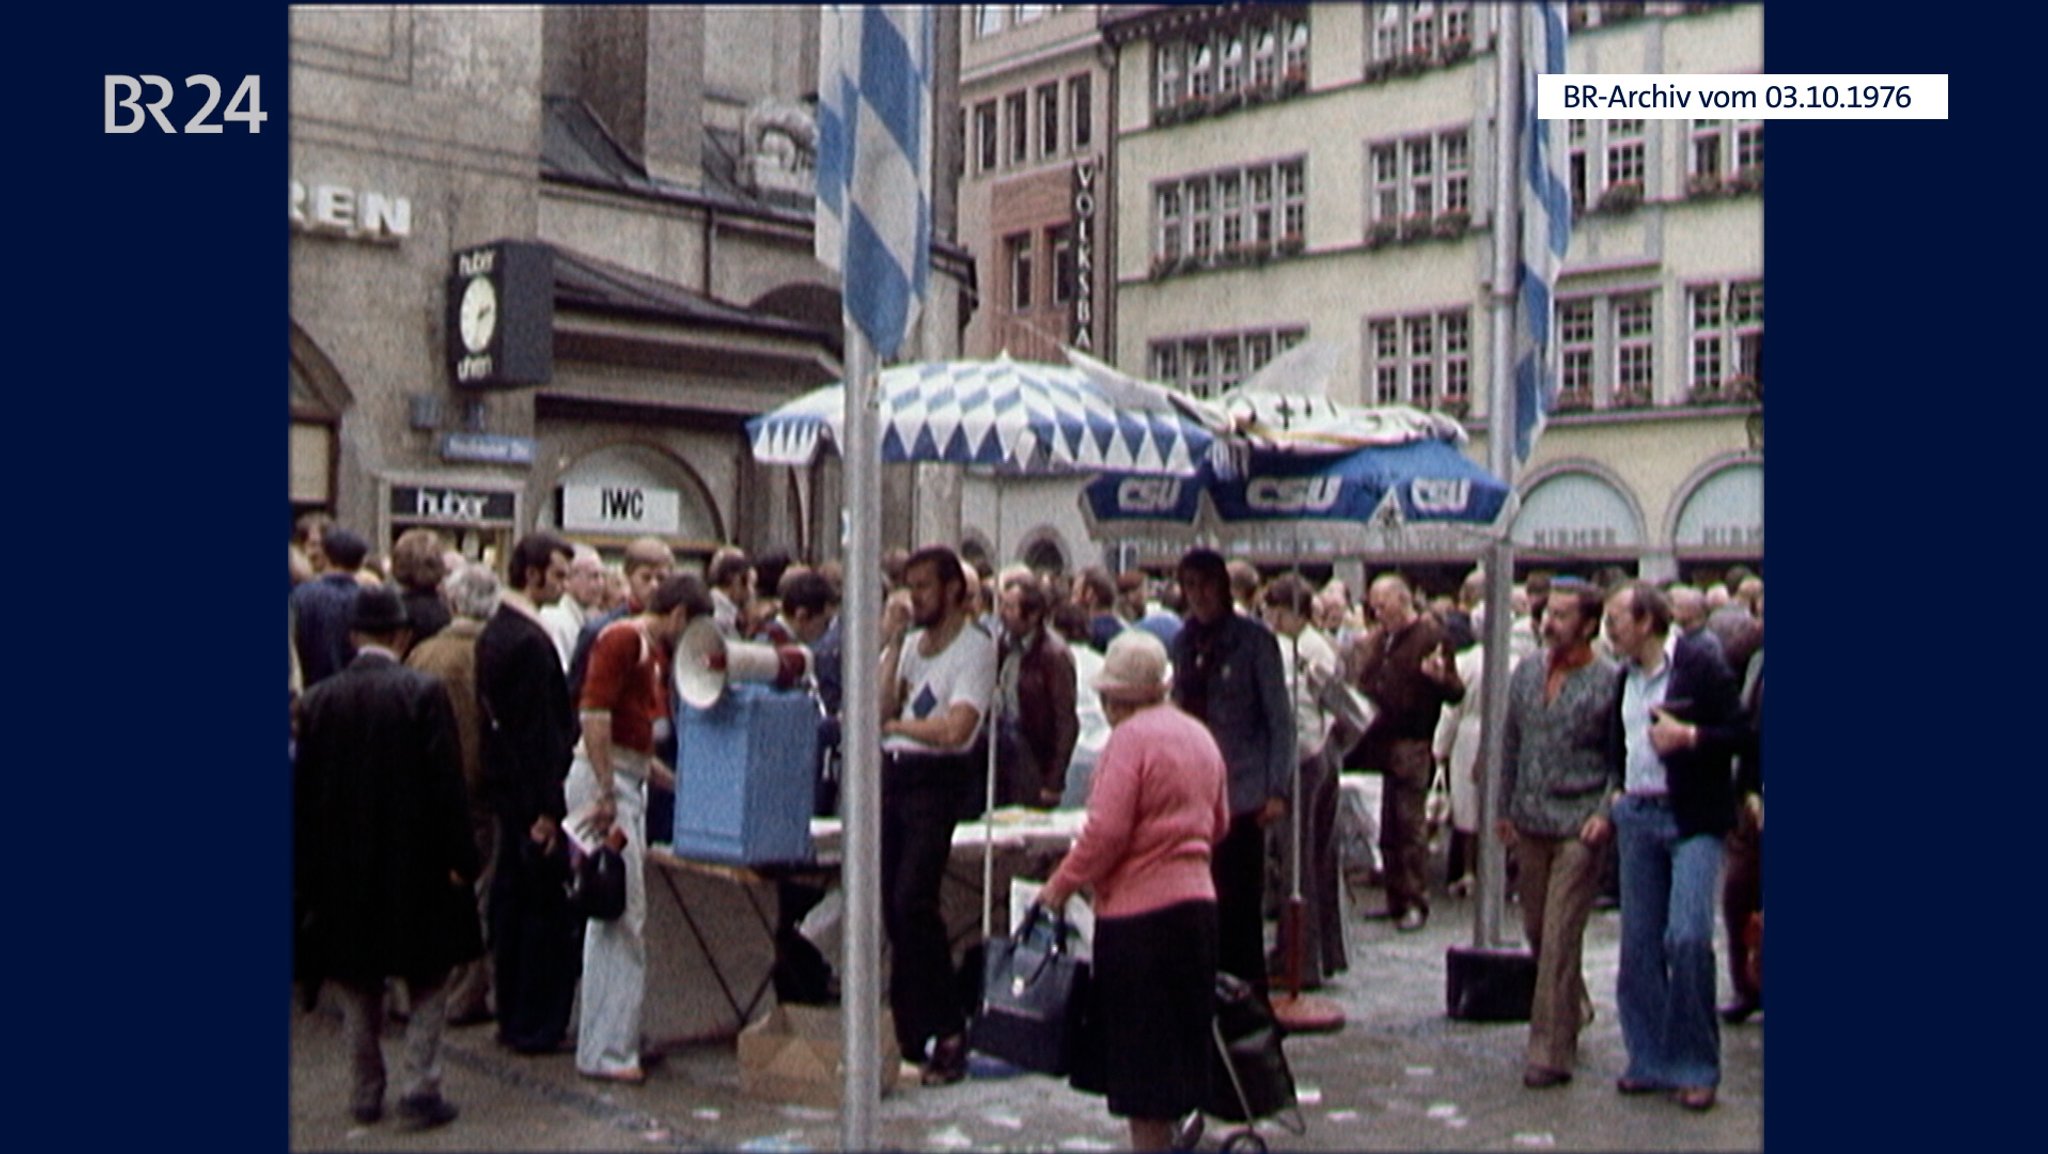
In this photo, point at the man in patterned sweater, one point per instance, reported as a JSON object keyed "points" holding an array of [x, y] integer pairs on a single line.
{"points": [[1559, 767]]}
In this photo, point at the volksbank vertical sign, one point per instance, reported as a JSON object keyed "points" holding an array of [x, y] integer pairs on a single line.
{"points": [[1083, 321], [621, 508]]}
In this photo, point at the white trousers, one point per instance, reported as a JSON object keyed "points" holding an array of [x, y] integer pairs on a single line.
{"points": [[615, 952]]}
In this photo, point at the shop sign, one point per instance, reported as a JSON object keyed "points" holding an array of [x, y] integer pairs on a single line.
{"points": [[621, 508], [450, 506], [1084, 254], [353, 214]]}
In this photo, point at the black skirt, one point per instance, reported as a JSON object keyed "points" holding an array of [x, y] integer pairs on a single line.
{"points": [[1155, 989]]}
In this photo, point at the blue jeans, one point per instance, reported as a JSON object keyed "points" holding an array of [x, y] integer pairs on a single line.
{"points": [[1666, 987]]}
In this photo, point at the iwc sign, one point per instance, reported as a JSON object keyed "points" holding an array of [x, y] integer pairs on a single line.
{"points": [[501, 302]]}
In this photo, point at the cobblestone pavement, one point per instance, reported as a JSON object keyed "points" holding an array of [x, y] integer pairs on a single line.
{"points": [[1400, 1075]]}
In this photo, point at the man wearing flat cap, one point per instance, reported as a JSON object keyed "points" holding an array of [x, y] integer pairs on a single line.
{"points": [[384, 857]]}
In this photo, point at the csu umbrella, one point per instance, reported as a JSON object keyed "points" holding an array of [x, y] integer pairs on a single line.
{"points": [[1013, 414], [1324, 495]]}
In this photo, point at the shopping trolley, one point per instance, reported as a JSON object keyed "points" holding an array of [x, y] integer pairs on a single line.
{"points": [[1249, 1079]]}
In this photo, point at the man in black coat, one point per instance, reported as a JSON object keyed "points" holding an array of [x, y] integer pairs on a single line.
{"points": [[1678, 717], [529, 738], [384, 855]]}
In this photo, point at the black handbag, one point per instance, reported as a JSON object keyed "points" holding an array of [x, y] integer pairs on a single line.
{"points": [[1031, 994], [597, 884]]}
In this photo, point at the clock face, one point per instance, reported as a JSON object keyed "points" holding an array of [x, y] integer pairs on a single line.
{"points": [[479, 316]]}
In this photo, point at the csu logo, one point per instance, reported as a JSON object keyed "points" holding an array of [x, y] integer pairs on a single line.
{"points": [[1293, 494], [1147, 494], [1439, 496]]}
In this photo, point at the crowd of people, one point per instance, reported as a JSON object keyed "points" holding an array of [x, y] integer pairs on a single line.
{"points": [[1187, 711]]}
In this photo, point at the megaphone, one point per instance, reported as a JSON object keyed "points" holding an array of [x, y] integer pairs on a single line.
{"points": [[705, 661]]}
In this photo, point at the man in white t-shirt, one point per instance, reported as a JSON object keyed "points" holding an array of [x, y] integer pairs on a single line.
{"points": [[937, 681]]}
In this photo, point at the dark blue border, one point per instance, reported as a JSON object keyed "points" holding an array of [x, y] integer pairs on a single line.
{"points": [[145, 422], [1897, 881]]}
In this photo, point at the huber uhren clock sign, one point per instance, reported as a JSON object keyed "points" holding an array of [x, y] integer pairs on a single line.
{"points": [[501, 324]]}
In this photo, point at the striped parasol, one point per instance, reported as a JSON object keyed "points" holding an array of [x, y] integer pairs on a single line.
{"points": [[1018, 415]]}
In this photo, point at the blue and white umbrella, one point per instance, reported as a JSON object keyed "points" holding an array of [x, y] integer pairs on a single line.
{"points": [[1011, 414], [1416, 497]]}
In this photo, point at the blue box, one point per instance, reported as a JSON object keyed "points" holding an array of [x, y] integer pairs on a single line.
{"points": [[746, 777]]}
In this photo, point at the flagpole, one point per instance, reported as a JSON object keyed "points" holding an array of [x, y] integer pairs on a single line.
{"points": [[1500, 459], [861, 790]]}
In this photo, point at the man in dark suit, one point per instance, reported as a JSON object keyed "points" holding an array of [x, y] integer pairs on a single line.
{"points": [[529, 738], [384, 855], [1678, 715]]}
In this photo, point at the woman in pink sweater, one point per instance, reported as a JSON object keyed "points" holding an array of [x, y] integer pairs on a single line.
{"points": [[1155, 808]]}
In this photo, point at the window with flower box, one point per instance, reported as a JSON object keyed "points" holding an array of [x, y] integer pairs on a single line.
{"points": [[1230, 211], [1727, 322], [1265, 58], [1229, 216], [1609, 164], [1419, 33], [1243, 56], [1230, 73], [1167, 238], [1726, 156], [1575, 349], [1635, 369], [1169, 65], [1457, 333], [1293, 200], [1207, 364], [1422, 359], [1420, 186], [1625, 152], [1259, 194], [1201, 220]]}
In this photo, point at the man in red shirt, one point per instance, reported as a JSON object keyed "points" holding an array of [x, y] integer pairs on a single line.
{"points": [[624, 710]]}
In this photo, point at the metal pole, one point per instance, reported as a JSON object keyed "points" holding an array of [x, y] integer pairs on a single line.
{"points": [[1500, 457], [861, 789]]}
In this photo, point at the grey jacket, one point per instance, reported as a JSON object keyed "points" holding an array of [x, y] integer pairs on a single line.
{"points": [[1560, 763]]}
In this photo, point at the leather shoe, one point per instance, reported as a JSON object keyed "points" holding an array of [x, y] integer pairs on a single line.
{"points": [[1696, 1098], [1411, 920], [1737, 1012], [948, 1063], [425, 1111], [1636, 1086], [1543, 1077]]}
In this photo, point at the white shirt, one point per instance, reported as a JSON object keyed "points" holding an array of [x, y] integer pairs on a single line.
{"points": [[564, 621], [1643, 771], [963, 673]]}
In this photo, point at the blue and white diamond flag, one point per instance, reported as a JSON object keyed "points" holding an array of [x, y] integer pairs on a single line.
{"points": [[874, 164], [1546, 226]]}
